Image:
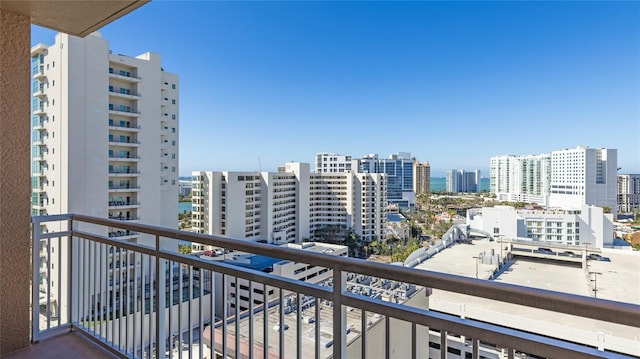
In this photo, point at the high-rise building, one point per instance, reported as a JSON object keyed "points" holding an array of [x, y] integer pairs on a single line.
{"points": [[461, 181], [399, 170], [628, 192], [584, 175], [421, 177], [332, 163], [521, 178], [288, 206], [104, 138], [567, 178]]}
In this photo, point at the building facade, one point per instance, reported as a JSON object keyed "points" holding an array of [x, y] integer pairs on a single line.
{"points": [[421, 177], [104, 141], [399, 169], [288, 206], [588, 226], [461, 181], [584, 175], [628, 192], [521, 178], [332, 163]]}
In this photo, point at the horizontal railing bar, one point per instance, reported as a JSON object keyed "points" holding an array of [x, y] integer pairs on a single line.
{"points": [[54, 332], [606, 310], [54, 234], [99, 341], [485, 332], [50, 218]]}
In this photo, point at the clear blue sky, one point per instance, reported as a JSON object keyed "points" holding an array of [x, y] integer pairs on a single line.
{"points": [[454, 83]]}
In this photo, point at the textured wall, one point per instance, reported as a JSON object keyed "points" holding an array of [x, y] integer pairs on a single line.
{"points": [[15, 181]]}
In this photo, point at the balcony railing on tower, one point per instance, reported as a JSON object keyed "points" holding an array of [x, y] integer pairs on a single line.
{"points": [[145, 300]]}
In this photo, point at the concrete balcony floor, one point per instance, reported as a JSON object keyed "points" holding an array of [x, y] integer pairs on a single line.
{"points": [[69, 346]]}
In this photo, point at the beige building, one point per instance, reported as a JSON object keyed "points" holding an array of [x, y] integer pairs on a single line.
{"points": [[421, 177], [96, 136], [288, 206]]}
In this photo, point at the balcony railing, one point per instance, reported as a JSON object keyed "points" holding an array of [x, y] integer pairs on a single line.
{"points": [[123, 203], [183, 305]]}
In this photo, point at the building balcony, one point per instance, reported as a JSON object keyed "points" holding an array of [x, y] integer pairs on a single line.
{"points": [[125, 127], [125, 93], [123, 112], [129, 158], [39, 93], [124, 218], [125, 173], [123, 204], [129, 188], [126, 143], [39, 74], [333, 319], [126, 76], [183, 305], [39, 111]]}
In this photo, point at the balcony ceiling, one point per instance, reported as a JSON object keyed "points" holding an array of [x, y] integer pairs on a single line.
{"points": [[79, 18]]}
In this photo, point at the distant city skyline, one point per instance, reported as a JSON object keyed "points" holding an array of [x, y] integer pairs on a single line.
{"points": [[453, 83]]}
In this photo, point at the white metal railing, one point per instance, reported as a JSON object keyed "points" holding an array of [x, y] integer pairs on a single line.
{"points": [[119, 308]]}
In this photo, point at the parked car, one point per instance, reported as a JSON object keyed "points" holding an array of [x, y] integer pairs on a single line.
{"points": [[545, 250], [598, 257], [569, 254]]}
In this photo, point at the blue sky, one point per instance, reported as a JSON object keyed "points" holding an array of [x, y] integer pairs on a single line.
{"points": [[454, 83]]}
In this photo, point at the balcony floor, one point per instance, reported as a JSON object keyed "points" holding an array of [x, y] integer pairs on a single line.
{"points": [[69, 345]]}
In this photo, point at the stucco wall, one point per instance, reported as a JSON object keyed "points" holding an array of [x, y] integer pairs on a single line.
{"points": [[15, 181]]}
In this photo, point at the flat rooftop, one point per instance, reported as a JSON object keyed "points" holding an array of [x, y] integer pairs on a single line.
{"points": [[618, 280]]}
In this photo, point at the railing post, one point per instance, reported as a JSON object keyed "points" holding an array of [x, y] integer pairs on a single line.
{"points": [[73, 276], [161, 301], [35, 280], [339, 314]]}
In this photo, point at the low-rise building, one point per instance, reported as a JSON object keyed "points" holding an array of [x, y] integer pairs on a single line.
{"points": [[587, 226]]}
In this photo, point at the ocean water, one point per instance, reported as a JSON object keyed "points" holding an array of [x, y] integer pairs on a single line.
{"points": [[439, 184], [184, 206]]}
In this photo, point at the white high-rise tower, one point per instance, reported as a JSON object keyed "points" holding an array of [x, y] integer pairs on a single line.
{"points": [[104, 142], [584, 175]]}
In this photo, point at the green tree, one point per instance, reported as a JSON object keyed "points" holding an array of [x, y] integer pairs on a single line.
{"points": [[184, 248]]}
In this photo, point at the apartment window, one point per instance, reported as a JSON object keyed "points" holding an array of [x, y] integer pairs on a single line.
{"points": [[53, 83], [173, 155], [173, 129], [53, 64], [173, 86], [173, 101], [173, 169]]}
